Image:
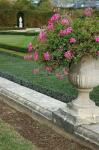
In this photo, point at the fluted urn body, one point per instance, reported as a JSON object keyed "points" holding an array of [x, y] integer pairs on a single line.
{"points": [[84, 75]]}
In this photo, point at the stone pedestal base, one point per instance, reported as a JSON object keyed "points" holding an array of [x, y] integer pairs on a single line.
{"points": [[82, 110]]}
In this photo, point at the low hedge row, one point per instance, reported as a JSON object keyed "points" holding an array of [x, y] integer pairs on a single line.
{"points": [[13, 48], [54, 94], [19, 33], [57, 95], [12, 53], [60, 96]]}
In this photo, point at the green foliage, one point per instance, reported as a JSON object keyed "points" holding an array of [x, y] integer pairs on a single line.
{"points": [[85, 31]]}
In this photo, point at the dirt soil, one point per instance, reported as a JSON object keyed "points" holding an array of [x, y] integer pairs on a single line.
{"points": [[42, 136]]}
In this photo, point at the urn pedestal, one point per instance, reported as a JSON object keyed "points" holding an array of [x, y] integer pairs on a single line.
{"points": [[84, 75]]}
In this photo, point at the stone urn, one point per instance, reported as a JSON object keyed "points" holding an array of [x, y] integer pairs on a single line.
{"points": [[84, 75]]}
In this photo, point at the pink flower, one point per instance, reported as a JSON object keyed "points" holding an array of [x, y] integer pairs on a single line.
{"points": [[55, 17], [35, 71], [49, 21], [48, 68], [69, 30], [42, 36], [30, 47], [65, 22], [50, 26], [61, 33], [46, 56], [59, 76], [66, 71], [97, 39], [68, 55], [28, 57], [65, 31], [72, 40], [36, 56], [88, 12], [98, 53]]}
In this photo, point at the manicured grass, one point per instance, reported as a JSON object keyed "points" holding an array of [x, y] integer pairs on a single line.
{"points": [[23, 70], [20, 41], [11, 140]]}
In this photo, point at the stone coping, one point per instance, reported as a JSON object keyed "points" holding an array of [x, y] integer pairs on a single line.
{"points": [[89, 133], [39, 102]]}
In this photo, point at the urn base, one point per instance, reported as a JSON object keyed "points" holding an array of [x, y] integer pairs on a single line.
{"points": [[81, 110]]}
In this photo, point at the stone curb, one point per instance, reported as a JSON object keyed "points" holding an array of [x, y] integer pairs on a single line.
{"points": [[38, 102], [88, 134]]}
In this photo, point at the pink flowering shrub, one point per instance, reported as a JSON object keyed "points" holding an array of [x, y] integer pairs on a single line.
{"points": [[65, 21], [30, 47], [68, 55], [36, 56], [66, 40], [50, 26], [42, 36], [46, 56], [97, 39], [72, 40], [28, 57]]}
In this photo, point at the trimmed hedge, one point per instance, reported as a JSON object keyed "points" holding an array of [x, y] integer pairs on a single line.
{"points": [[19, 33], [62, 97], [57, 95], [32, 18], [12, 53], [14, 48]]}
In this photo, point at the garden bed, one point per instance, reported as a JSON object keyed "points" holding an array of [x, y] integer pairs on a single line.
{"points": [[39, 134], [11, 140]]}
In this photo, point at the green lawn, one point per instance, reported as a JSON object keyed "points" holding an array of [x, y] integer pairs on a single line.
{"points": [[20, 41], [11, 140], [23, 70]]}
